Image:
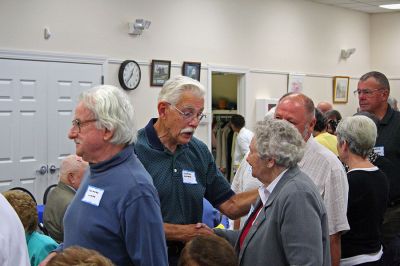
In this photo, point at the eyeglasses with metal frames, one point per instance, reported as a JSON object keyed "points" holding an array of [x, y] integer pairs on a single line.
{"points": [[366, 92], [78, 124], [189, 116]]}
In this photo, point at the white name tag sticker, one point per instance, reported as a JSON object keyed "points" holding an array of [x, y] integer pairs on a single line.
{"points": [[93, 195], [380, 150], [189, 177]]}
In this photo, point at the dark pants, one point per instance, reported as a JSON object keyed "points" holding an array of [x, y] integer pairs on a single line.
{"points": [[174, 252], [391, 252], [391, 223]]}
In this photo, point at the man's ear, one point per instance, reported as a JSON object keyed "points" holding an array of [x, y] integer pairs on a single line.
{"points": [[108, 134], [162, 109], [312, 124], [71, 179]]}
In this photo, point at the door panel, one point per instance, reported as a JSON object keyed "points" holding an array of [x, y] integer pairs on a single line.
{"points": [[23, 116], [37, 101], [66, 81]]}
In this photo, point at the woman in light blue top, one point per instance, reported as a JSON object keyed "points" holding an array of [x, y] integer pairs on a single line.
{"points": [[39, 245]]}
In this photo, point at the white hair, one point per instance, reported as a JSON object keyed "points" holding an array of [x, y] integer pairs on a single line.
{"points": [[359, 132], [175, 87], [71, 164], [279, 140], [112, 110]]}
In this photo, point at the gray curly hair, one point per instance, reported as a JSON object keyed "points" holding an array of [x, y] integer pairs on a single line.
{"points": [[279, 140]]}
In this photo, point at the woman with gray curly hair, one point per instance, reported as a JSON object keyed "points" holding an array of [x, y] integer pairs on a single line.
{"points": [[288, 225], [368, 192]]}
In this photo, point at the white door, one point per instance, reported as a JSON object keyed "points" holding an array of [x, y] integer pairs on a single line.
{"points": [[36, 108]]}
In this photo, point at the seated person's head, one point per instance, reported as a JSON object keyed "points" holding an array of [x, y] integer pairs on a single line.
{"points": [[72, 170], [25, 207], [75, 255], [208, 251]]}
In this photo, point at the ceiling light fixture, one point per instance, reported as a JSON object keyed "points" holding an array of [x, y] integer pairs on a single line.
{"points": [[392, 6]]}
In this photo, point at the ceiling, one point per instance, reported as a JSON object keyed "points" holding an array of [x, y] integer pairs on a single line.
{"points": [[367, 6]]}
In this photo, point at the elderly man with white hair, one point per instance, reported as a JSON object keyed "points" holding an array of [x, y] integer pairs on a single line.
{"points": [[71, 171], [116, 210], [182, 167]]}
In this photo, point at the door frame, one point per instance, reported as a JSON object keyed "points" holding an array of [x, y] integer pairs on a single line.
{"points": [[241, 92]]}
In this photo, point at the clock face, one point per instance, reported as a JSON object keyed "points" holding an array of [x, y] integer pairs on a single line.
{"points": [[129, 75]]}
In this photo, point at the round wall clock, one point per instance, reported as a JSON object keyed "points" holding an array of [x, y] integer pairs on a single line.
{"points": [[129, 75]]}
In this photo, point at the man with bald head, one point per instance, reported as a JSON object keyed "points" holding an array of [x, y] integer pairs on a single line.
{"points": [[321, 165], [71, 171], [324, 107]]}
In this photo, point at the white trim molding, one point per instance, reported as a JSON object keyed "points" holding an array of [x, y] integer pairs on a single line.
{"points": [[52, 56]]}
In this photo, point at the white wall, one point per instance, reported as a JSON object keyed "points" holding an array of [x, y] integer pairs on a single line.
{"points": [[260, 35], [385, 43]]}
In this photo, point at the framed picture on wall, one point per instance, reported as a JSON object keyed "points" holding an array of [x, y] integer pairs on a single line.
{"points": [[341, 89], [191, 70], [160, 72], [295, 82]]}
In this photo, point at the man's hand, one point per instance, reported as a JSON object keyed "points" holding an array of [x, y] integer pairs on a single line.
{"points": [[184, 233]]}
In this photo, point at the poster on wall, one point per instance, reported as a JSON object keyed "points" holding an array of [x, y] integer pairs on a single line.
{"points": [[296, 82]]}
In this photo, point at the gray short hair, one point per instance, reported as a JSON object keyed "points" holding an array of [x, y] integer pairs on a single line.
{"points": [[112, 109], [379, 77], [279, 140], [174, 87], [71, 164], [359, 132]]}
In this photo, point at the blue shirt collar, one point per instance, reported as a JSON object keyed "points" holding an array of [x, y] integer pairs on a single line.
{"points": [[112, 162]]}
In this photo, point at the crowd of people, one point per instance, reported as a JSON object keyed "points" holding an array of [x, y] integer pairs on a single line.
{"points": [[311, 188]]}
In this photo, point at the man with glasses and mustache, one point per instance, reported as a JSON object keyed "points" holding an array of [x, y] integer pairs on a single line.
{"points": [[182, 167], [373, 91]]}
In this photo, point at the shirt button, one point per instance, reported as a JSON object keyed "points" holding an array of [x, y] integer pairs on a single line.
{"points": [[175, 170]]}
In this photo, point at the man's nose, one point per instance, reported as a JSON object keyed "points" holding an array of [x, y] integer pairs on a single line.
{"points": [[72, 133]]}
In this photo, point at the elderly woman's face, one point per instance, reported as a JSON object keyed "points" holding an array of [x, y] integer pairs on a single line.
{"points": [[258, 165]]}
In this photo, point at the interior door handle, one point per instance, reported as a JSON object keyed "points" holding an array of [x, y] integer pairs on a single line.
{"points": [[42, 170], [53, 169]]}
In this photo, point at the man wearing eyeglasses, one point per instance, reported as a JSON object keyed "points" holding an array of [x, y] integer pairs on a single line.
{"points": [[373, 91], [182, 167], [116, 210]]}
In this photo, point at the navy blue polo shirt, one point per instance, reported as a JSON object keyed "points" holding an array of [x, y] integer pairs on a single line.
{"points": [[389, 138], [182, 178]]}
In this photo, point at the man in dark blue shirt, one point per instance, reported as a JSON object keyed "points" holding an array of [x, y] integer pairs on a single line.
{"points": [[373, 91]]}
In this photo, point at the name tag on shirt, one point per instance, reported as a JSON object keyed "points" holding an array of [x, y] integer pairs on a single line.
{"points": [[189, 177], [380, 150], [93, 195]]}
